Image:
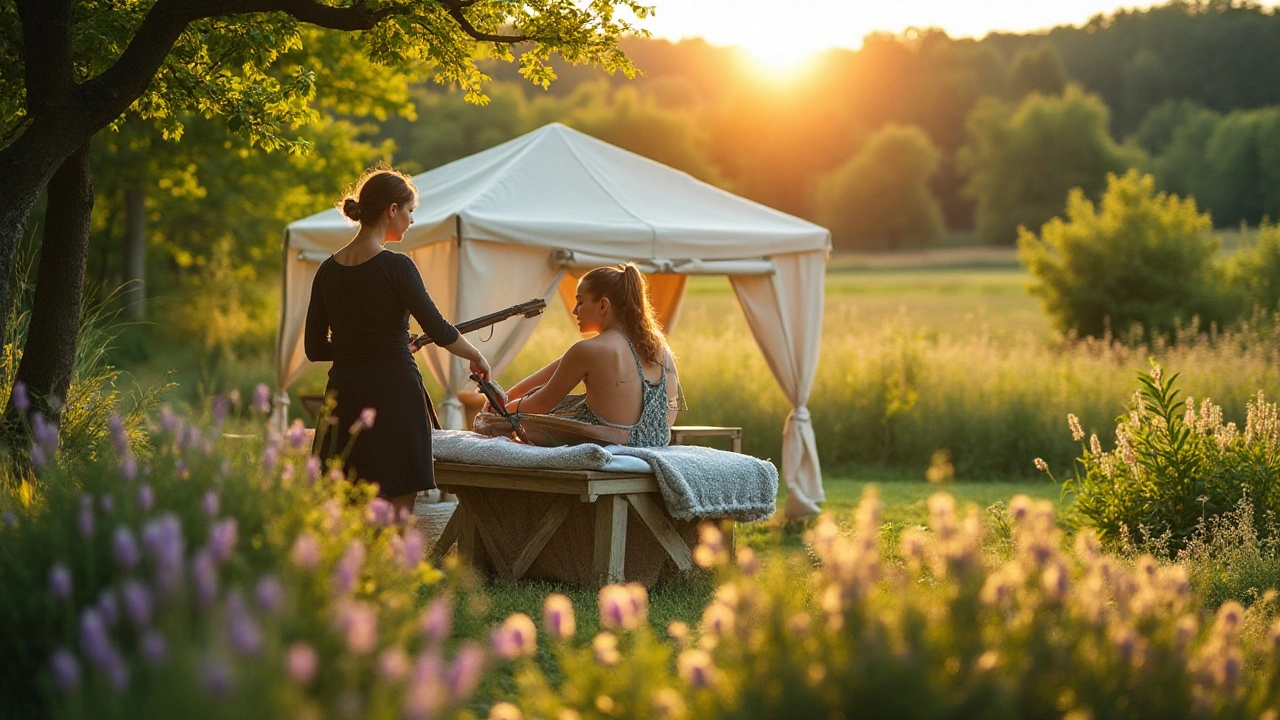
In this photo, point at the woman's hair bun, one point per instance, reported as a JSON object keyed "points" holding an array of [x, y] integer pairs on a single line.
{"points": [[351, 208]]}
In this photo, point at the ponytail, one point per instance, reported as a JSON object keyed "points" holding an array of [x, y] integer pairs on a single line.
{"points": [[628, 294]]}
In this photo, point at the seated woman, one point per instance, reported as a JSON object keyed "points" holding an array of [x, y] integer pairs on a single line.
{"points": [[629, 372]]}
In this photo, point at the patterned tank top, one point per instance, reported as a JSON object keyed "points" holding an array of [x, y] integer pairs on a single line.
{"points": [[651, 430]]}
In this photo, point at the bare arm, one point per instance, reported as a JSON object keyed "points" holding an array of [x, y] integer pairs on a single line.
{"points": [[673, 391], [540, 377], [569, 371], [465, 350]]}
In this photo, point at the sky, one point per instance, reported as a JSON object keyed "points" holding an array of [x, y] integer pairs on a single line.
{"points": [[786, 32]]}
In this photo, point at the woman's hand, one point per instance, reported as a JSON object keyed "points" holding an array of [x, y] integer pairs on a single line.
{"points": [[480, 366]]}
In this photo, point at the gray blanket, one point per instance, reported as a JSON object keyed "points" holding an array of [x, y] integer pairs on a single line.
{"points": [[703, 482], [696, 482]]}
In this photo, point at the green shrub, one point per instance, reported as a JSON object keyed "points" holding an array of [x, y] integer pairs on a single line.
{"points": [[220, 582], [1255, 270], [1228, 558], [1175, 466], [1138, 259]]}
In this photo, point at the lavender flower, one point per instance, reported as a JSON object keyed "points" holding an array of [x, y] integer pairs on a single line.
{"points": [[348, 569], [107, 503], [242, 629], [557, 616], [66, 670], [301, 662], [617, 609], [10, 519], [425, 694], [45, 433], [38, 458], [94, 642], [262, 398], [190, 436], [358, 623], [108, 607], [19, 397], [380, 512], [297, 435], [393, 664], [119, 439], [222, 539], [517, 636], [154, 647], [125, 547], [204, 573], [313, 469], [163, 540], [210, 503], [146, 498], [604, 646], [695, 667], [286, 473], [436, 619], [137, 602], [221, 406], [269, 594], [169, 422], [306, 551], [59, 581], [270, 456], [463, 676], [409, 548], [367, 416], [117, 671]]}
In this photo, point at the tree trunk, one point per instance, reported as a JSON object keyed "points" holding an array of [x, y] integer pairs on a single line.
{"points": [[48, 357], [135, 251]]}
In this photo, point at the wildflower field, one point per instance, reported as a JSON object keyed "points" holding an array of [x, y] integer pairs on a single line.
{"points": [[172, 562]]}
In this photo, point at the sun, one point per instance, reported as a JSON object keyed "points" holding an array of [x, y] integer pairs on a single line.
{"points": [[781, 60]]}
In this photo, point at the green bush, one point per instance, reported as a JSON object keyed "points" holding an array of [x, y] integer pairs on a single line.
{"points": [[1137, 260], [1255, 271], [880, 198], [1228, 558], [1175, 466]]}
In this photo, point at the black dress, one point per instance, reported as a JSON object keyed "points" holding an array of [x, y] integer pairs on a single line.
{"points": [[359, 318]]}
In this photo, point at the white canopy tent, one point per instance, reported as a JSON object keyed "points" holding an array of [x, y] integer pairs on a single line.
{"points": [[527, 217]]}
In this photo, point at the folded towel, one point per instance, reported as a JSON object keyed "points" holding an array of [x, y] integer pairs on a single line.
{"points": [[702, 482]]}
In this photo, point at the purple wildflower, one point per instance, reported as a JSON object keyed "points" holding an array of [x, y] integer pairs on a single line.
{"points": [[301, 662], [269, 593], [109, 607], [463, 676], [221, 406], [358, 623], [107, 503], [190, 436], [215, 676], [262, 398], [94, 642], [517, 636], [409, 548], [119, 438], [425, 696], [44, 432], [393, 664], [180, 468], [242, 629], [19, 397], [38, 458], [313, 469], [381, 512], [270, 456], [66, 669], [59, 581], [286, 473], [154, 647], [204, 572], [348, 569], [436, 619], [146, 498], [165, 544], [222, 539], [306, 551], [169, 422], [125, 547], [210, 503], [137, 602], [297, 435], [117, 671], [365, 421], [10, 519]]}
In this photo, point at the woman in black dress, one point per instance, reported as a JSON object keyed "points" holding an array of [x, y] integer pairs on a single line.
{"points": [[358, 318]]}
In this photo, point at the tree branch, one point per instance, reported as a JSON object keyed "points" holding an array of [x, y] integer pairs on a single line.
{"points": [[454, 8]]}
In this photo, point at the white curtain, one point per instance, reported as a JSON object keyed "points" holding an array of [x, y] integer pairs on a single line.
{"points": [[784, 311]]}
